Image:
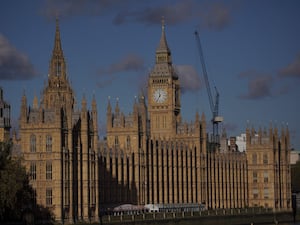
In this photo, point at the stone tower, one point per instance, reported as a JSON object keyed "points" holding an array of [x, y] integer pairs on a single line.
{"points": [[163, 93], [268, 156], [127, 132], [58, 141]]}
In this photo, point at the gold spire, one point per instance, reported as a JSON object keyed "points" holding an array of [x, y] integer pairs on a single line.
{"points": [[163, 46], [35, 102], [163, 53], [163, 23]]}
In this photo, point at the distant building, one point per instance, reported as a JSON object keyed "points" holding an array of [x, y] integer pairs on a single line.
{"points": [[295, 156], [241, 142], [4, 118]]}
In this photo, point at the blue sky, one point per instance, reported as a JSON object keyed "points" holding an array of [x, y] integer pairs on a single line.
{"points": [[251, 49]]}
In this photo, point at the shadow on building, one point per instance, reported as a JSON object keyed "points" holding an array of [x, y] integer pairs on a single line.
{"points": [[116, 179]]}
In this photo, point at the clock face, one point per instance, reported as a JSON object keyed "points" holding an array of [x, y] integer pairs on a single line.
{"points": [[160, 95]]}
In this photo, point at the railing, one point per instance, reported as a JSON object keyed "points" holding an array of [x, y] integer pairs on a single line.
{"points": [[148, 216]]}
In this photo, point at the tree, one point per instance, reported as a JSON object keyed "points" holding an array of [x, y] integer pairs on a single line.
{"points": [[15, 192]]}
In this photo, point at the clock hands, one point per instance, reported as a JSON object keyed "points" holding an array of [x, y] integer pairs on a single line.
{"points": [[159, 95]]}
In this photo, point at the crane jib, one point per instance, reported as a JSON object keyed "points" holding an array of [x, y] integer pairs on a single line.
{"points": [[214, 105]]}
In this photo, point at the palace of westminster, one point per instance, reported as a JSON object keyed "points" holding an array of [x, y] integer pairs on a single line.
{"points": [[148, 156]]}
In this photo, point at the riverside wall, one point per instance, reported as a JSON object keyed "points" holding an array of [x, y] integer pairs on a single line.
{"points": [[211, 217]]}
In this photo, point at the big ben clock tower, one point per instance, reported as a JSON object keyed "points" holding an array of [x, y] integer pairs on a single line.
{"points": [[163, 93]]}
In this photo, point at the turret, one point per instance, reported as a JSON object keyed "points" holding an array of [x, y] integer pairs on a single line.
{"points": [[117, 108], [35, 104], [83, 104], [108, 114], [197, 117], [23, 110], [95, 122]]}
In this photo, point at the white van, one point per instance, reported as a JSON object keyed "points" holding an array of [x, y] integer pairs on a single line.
{"points": [[152, 208]]}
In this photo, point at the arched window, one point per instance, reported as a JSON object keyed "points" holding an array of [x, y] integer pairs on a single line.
{"points": [[58, 69], [33, 170], [48, 143], [116, 141], [32, 143], [265, 158], [49, 171], [49, 196], [254, 158]]}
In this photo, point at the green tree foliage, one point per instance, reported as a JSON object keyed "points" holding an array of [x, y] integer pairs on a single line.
{"points": [[15, 192]]}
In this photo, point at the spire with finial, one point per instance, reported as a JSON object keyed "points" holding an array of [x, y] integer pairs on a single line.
{"points": [[57, 64], [197, 116], [23, 108], [83, 103], [117, 109], [94, 103], [163, 53], [35, 102], [108, 105], [57, 43]]}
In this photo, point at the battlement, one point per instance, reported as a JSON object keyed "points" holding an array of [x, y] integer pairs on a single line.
{"points": [[264, 137]]}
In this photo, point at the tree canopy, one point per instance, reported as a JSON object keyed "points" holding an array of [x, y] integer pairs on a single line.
{"points": [[16, 195]]}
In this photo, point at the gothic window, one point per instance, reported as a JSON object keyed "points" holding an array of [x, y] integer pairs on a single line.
{"points": [[49, 171], [254, 158], [116, 141], [266, 177], [48, 143], [255, 193], [157, 121], [164, 122], [58, 69], [49, 196], [32, 143], [265, 159], [266, 193], [254, 177], [33, 171]]}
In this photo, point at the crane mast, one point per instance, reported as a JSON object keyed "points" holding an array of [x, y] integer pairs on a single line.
{"points": [[214, 105]]}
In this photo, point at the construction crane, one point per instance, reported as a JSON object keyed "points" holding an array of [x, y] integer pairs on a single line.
{"points": [[214, 104]]}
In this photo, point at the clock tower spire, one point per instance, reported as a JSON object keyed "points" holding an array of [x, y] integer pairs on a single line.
{"points": [[163, 53], [163, 92]]}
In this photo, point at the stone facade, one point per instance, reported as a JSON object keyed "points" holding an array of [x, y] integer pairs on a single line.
{"points": [[149, 156], [59, 141], [152, 157], [269, 174]]}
